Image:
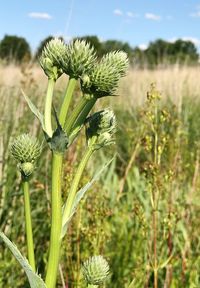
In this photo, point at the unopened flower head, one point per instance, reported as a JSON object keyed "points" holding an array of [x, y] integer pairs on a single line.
{"points": [[101, 127], [52, 58], [95, 270], [104, 78], [25, 149], [81, 58]]}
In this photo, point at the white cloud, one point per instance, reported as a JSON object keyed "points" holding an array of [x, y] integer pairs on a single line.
{"points": [[196, 14], [143, 46], [118, 12], [151, 16], [130, 14], [39, 15]]}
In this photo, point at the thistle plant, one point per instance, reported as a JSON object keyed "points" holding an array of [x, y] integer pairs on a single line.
{"points": [[26, 149], [96, 79], [95, 271]]}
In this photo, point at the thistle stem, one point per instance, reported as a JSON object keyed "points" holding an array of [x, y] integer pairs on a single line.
{"points": [[80, 113], [56, 221], [74, 187], [48, 106], [67, 100], [29, 233]]}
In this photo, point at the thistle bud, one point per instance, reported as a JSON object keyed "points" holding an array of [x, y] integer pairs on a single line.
{"points": [[52, 58], [100, 129], [81, 58], [25, 149], [105, 76], [95, 270]]}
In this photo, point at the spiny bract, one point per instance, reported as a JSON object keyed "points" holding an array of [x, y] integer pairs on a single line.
{"points": [[104, 78], [52, 58], [25, 148], [81, 58], [95, 270]]}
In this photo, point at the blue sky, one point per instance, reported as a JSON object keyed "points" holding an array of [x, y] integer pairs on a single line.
{"points": [[133, 21]]}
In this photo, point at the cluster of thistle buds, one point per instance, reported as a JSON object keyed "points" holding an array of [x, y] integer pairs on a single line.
{"points": [[26, 150], [95, 270], [78, 60]]}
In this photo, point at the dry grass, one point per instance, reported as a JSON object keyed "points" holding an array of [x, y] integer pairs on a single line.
{"points": [[174, 82]]}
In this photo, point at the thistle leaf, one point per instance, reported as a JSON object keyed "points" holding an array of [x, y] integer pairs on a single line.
{"points": [[34, 279], [34, 109], [80, 194]]}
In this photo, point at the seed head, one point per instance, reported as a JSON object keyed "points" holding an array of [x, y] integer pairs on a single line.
{"points": [[25, 149], [101, 127], [52, 58], [81, 58], [104, 78], [95, 270]]}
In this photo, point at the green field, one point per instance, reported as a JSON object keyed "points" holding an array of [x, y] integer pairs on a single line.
{"points": [[143, 211]]}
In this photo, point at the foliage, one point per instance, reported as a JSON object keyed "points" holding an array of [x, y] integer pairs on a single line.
{"points": [[14, 48]]}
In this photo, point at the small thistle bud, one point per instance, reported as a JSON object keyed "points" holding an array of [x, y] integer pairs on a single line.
{"points": [[53, 55], [104, 77], [95, 270], [25, 149], [101, 127], [81, 58], [26, 168]]}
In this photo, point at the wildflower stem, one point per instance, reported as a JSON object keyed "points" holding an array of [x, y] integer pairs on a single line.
{"points": [[66, 101], [74, 187], [92, 286], [48, 106], [56, 221], [82, 108], [28, 221]]}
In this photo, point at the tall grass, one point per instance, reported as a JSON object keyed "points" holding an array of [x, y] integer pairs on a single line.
{"points": [[116, 218]]}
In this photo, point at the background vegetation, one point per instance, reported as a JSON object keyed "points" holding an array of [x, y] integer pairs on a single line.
{"points": [[159, 52], [116, 220]]}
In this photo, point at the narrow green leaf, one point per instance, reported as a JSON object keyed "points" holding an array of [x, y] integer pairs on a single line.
{"points": [[34, 279], [34, 109], [80, 194]]}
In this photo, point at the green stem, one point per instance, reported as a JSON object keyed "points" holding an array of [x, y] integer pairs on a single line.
{"points": [[48, 107], [29, 231], [80, 113], [56, 221], [67, 100], [75, 183], [92, 286]]}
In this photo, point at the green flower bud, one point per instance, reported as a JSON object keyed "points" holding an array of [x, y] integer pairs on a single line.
{"points": [[101, 127], [81, 58], [52, 58], [25, 149], [104, 78], [26, 168], [95, 270]]}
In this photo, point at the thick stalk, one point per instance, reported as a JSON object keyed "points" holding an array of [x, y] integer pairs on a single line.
{"points": [[48, 107], [67, 100], [29, 231], [84, 113], [56, 221], [75, 183], [80, 113]]}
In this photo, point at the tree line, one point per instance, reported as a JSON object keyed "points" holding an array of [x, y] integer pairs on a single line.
{"points": [[158, 52]]}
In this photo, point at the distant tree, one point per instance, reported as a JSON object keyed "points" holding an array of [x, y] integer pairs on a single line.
{"points": [[111, 45], [14, 48]]}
